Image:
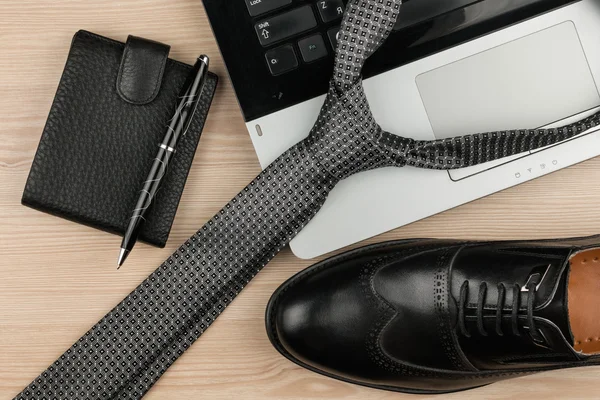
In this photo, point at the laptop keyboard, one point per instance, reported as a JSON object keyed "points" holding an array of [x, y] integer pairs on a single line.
{"points": [[280, 53], [275, 22], [289, 25]]}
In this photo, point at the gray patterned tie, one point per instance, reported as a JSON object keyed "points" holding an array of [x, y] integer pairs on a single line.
{"points": [[126, 352]]}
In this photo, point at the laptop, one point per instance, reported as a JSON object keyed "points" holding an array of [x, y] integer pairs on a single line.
{"points": [[450, 67]]}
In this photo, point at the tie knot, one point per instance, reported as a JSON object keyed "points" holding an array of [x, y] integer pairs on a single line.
{"points": [[346, 138]]}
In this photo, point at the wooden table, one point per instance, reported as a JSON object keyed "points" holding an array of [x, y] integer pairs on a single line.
{"points": [[58, 278]]}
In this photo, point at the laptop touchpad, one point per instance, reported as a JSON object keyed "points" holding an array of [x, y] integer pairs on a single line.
{"points": [[526, 83]]}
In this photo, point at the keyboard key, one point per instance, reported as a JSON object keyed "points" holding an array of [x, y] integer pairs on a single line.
{"points": [[285, 25], [281, 59], [312, 48], [257, 7], [333, 35], [330, 10]]}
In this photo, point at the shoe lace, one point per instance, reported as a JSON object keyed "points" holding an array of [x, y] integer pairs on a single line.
{"points": [[516, 298]]}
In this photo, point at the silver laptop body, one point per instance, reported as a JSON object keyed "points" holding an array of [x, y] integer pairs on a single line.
{"points": [[541, 72]]}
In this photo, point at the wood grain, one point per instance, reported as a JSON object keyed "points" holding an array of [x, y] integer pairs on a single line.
{"points": [[58, 278]]}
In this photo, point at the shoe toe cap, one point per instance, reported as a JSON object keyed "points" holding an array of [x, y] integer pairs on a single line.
{"points": [[320, 322]]}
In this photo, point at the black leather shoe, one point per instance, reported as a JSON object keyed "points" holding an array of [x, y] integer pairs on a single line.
{"points": [[430, 316]]}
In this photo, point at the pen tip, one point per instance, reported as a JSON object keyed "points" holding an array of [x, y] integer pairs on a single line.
{"points": [[122, 256]]}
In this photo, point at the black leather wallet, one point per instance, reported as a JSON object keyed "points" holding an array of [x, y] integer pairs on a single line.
{"points": [[110, 113]]}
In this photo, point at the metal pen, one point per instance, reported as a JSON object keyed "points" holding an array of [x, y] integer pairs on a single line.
{"points": [[178, 126]]}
